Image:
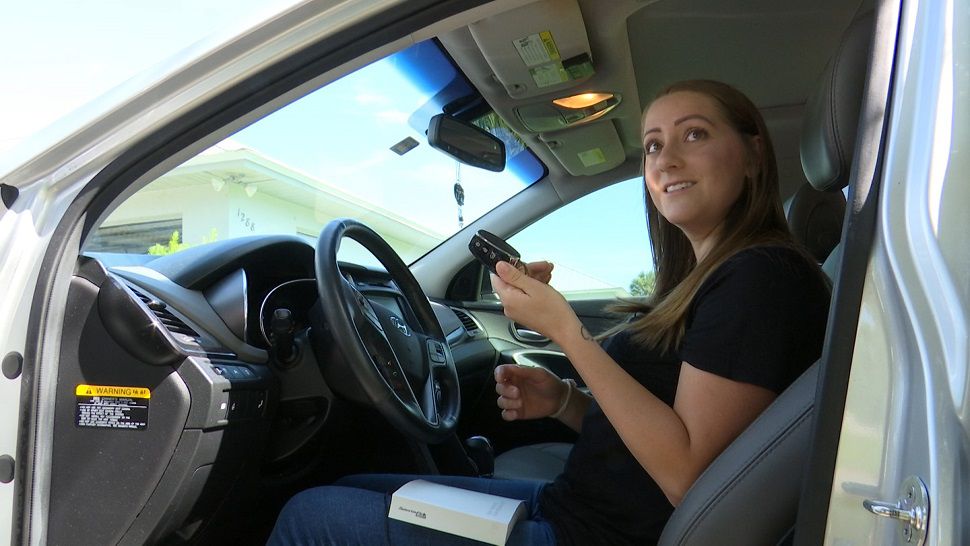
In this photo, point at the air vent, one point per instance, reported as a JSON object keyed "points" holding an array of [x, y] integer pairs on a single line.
{"points": [[471, 326], [170, 321]]}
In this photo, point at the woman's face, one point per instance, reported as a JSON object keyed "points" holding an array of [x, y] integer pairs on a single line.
{"points": [[694, 161]]}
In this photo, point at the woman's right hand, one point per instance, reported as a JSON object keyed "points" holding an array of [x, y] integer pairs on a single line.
{"points": [[527, 392]]}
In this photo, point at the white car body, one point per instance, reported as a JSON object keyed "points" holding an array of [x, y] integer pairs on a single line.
{"points": [[907, 409]]}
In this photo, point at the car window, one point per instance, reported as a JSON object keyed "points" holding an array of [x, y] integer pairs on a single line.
{"points": [[354, 148], [598, 243]]}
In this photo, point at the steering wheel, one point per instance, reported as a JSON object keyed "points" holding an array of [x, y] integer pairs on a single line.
{"points": [[401, 366]]}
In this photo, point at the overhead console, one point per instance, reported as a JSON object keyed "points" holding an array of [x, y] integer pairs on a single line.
{"points": [[540, 54]]}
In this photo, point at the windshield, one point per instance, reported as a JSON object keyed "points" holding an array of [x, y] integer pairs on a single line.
{"points": [[354, 148]]}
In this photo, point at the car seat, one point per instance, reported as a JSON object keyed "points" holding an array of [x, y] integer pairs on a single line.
{"points": [[760, 473]]}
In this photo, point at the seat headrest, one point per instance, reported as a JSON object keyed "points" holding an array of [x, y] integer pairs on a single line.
{"points": [[815, 219], [832, 112]]}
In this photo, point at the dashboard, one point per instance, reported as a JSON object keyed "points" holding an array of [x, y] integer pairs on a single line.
{"points": [[193, 332], [299, 295], [216, 407], [241, 282]]}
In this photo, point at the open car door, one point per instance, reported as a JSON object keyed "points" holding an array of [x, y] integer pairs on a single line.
{"points": [[891, 447]]}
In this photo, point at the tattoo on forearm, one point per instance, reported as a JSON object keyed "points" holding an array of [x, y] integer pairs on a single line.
{"points": [[585, 333]]}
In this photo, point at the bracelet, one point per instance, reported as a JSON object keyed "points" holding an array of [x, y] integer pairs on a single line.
{"points": [[570, 387]]}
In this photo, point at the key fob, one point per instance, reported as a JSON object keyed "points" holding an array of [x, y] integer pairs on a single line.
{"points": [[491, 249]]}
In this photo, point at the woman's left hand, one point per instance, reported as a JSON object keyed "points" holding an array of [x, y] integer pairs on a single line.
{"points": [[533, 303]]}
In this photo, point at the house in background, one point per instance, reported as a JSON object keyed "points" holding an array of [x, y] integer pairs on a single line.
{"points": [[236, 192]]}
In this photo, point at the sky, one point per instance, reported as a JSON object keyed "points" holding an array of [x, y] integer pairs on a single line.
{"points": [[58, 55]]}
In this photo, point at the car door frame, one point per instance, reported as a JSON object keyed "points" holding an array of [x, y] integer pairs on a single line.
{"points": [[914, 345], [881, 364]]}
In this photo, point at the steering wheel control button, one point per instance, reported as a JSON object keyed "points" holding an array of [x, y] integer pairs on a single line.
{"points": [[436, 351]]}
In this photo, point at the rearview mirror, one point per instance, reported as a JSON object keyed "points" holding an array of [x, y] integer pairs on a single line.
{"points": [[467, 143]]}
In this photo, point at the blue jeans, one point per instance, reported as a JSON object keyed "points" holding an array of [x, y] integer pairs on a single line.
{"points": [[354, 511]]}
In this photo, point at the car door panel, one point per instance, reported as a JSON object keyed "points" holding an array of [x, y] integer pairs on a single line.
{"points": [[905, 410]]}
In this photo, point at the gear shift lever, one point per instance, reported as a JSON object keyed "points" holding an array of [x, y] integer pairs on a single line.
{"points": [[480, 451]]}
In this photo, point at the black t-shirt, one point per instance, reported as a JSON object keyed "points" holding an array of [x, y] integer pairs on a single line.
{"points": [[759, 318]]}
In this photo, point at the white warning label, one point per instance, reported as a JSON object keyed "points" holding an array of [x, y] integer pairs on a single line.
{"points": [[537, 49], [100, 406]]}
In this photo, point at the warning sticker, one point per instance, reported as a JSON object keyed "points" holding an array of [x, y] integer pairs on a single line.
{"points": [[100, 406], [537, 49], [549, 74], [541, 57]]}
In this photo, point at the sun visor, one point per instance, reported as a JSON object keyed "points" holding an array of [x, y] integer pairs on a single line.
{"points": [[536, 49], [586, 150]]}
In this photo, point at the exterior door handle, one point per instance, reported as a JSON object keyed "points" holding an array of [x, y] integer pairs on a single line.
{"points": [[912, 510]]}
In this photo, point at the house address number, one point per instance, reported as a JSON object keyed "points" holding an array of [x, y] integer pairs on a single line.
{"points": [[246, 219]]}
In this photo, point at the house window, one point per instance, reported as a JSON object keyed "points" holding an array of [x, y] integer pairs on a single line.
{"points": [[134, 238]]}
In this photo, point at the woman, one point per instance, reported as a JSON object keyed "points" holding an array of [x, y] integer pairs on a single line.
{"points": [[739, 312]]}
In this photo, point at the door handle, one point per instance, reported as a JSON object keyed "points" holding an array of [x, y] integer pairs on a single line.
{"points": [[912, 510], [522, 333]]}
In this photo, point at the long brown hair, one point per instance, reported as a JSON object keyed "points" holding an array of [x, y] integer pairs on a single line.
{"points": [[755, 219]]}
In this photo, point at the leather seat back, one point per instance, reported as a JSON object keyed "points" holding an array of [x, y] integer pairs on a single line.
{"points": [[749, 494]]}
